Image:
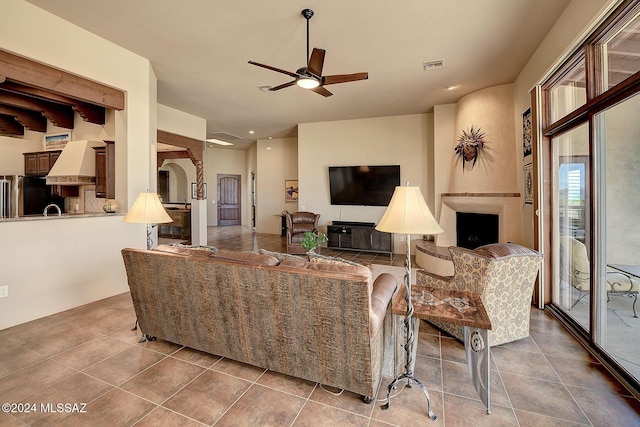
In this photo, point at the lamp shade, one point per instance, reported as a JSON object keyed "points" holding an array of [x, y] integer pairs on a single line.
{"points": [[147, 209], [408, 213]]}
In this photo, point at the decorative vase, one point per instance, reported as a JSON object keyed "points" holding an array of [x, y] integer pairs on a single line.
{"points": [[110, 206]]}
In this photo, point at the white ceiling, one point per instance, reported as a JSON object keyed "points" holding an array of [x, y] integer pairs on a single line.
{"points": [[199, 50]]}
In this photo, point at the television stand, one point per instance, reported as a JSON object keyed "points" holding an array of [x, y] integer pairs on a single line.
{"points": [[360, 237]]}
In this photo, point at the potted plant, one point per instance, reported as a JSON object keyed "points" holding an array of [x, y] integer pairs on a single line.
{"points": [[313, 239]]}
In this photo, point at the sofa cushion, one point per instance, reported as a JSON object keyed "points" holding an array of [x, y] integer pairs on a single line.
{"points": [[336, 267], [282, 256], [296, 262], [246, 257], [177, 248]]}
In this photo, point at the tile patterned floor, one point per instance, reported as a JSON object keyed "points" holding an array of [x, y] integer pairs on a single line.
{"points": [[90, 355]]}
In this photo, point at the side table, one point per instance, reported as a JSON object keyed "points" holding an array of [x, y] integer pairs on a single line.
{"points": [[461, 308]]}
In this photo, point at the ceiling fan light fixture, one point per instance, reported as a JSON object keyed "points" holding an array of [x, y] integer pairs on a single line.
{"points": [[307, 82]]}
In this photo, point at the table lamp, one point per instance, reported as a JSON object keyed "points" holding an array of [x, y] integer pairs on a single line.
{"points": [[147, 209], [408, 214]]}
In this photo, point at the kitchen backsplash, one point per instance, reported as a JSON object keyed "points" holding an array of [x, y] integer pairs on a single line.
{"points": [[86, 203]]}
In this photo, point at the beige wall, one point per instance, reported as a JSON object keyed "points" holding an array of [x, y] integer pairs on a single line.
{"points": [[56, 264], [277, 161], [398, 140]]}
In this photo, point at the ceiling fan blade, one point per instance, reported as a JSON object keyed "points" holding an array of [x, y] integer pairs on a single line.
{"points": [[343, 78], [282, 86], [322, 91], [316, 61], [277, 70]]}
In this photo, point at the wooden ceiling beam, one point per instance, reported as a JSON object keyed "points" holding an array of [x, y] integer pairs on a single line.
{"points": [[17, 69], [31, 120], [59, 114], [194, 146], [89, 112], [166, 155], [9, 126]]}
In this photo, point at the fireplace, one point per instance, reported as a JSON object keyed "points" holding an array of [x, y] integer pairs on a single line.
{"points": [[476, 229]]}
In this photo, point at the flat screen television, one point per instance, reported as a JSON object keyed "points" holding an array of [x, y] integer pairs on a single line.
{"points": [[363, 185]]}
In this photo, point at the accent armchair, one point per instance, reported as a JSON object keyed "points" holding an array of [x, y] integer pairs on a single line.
{"points": [[574, 269], [299, 223], [503, 274]]}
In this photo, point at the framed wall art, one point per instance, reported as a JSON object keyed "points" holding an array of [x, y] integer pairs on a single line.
{"points": [[291, 190], [528, 183], [56, 141], [526, 132], [194, 190]]}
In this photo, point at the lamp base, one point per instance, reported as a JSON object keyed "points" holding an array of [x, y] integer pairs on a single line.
{"points": [[408, 346], [409, 378]]}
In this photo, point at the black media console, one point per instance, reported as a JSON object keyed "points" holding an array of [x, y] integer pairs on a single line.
{"points": [[359, 236]]}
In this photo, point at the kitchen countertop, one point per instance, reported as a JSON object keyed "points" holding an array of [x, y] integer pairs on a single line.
{"points": [[63, 216]]}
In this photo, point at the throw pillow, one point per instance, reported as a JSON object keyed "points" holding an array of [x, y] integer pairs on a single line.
{"points": [[187, 250], [195, 247], [281, 256], [314, 257]]}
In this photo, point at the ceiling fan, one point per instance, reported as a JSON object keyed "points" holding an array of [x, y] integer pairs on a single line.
{"points": [[310, 76]]}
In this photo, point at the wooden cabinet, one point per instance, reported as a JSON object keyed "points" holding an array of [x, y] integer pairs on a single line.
{"points": [[359, 237], [105, 171], [39, 163], [181, 224]]}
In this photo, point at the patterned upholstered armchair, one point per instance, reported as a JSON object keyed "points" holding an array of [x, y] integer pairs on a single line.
{"points": [[503, 274], [299, 223]]}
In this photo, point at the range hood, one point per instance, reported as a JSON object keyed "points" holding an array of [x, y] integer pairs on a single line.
{"points": [[76, 164]]}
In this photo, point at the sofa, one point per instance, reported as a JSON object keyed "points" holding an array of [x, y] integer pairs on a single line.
{"points": [[321, 321], [503, 274]]}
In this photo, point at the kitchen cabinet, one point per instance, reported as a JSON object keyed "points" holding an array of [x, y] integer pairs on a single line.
{"points": [[105, 170], [39, 163]]}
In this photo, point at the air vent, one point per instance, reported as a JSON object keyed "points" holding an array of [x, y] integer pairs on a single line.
{"points": [[224, 136], [432, 65]]}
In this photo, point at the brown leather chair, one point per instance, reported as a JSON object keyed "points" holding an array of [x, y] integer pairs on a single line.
{"points": [[299, 223]]}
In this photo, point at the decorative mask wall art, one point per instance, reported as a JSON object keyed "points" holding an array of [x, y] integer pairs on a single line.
{"points": [[469, 145]]}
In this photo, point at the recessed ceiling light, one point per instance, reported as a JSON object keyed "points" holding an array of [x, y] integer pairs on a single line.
{"points": [[219, 142], [451, 87], [251, 132]]}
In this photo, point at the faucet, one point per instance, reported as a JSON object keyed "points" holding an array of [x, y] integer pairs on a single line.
{"points": [[46, 209]]}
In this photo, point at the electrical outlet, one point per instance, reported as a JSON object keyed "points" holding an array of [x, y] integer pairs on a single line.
{"points": [[402, 238], [4, 291]]}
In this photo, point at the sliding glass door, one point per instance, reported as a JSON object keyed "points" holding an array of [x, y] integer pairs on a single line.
{"points": [[618, 261], [591, 188], [571, 219]]}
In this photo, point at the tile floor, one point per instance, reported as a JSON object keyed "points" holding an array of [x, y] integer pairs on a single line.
{"points": [[90, 355]]}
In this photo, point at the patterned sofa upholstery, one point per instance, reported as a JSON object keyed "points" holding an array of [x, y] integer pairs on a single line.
{"points": [[503, 274], [319, 322]]}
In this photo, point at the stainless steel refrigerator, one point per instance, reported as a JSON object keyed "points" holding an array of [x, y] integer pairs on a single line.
{"points": [[8, 199]]}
